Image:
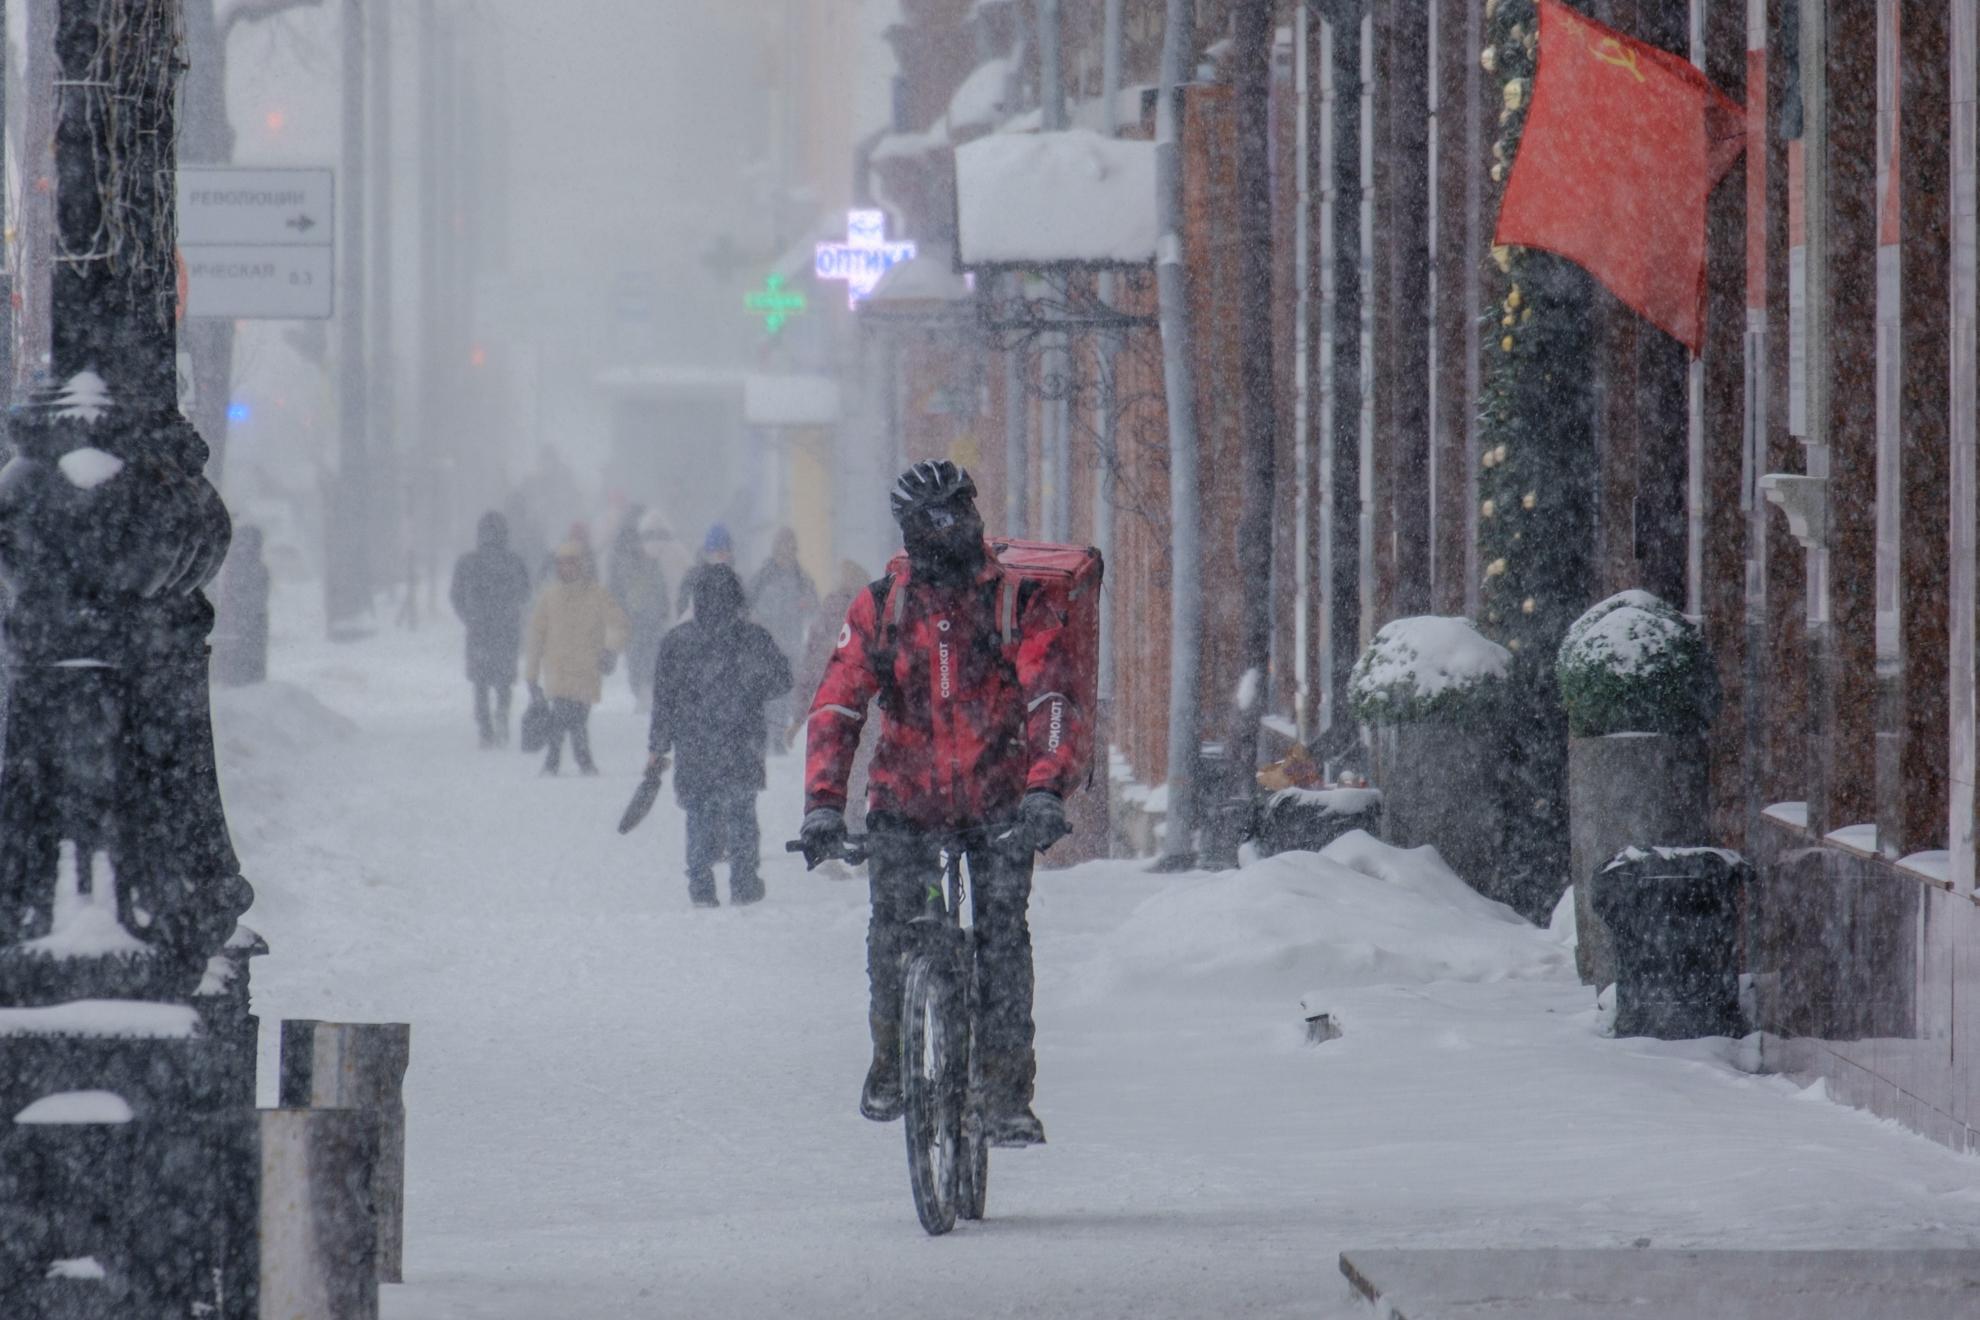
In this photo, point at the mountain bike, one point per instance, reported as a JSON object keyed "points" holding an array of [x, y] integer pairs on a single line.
{"points": [[944, 1114]]}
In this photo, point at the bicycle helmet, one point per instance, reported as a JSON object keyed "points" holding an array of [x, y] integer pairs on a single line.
{"points": [[930, 485]]}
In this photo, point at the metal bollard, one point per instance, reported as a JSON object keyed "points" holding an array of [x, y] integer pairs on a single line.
{"points": [[361, 1066], [319, 1233]]}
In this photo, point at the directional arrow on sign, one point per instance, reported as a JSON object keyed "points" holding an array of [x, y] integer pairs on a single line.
{"points": [[302, 224]]}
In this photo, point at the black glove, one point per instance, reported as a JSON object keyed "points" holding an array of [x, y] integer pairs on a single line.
{"points": [[1042, 820], [822, 835]]}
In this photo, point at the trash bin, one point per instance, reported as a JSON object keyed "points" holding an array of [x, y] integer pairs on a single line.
{"points": [[1673, 918]]}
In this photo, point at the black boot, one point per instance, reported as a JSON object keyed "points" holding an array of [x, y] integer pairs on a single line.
{"points": [[1007, 1118], [701, 892], [880, 1099]]}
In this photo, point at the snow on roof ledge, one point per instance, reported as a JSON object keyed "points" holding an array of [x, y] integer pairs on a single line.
{"points": [[979, 102], [1075, 196], [927, 278]]}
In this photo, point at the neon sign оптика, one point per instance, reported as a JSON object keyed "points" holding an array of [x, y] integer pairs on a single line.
{"points": [[864, 257]]}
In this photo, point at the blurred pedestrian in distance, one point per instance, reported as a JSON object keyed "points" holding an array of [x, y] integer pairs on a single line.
{"points": [[240, 633], [526, 534], [819, 645], [578, 535], [575, 637], [490, 591], [718, 547], [784, 600], [714, 675], [633, 573], [552, 491]]}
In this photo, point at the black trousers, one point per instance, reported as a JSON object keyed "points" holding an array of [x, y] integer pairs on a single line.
{"points": [[572, 719], [723, 824], [903, 866], [494, 726]]}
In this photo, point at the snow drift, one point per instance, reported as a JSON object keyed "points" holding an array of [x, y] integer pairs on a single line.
{"points": [[1361, 912]]}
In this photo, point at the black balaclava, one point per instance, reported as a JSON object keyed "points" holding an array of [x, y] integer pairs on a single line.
{"points": [[944, 542]]}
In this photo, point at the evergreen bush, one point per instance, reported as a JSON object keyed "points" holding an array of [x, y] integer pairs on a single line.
{"points": [[1428, 670], [1633, 664]]}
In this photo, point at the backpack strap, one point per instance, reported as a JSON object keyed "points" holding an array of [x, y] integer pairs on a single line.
{"points": [[889, 608], [1013, 602]]}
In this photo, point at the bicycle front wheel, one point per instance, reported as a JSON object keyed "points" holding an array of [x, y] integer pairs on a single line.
{"points": [[932, 1091], [974, 1182]]}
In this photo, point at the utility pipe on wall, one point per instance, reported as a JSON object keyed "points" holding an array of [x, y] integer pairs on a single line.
{"points": [[1179, 390], [1302, 348], [1110, 348]]}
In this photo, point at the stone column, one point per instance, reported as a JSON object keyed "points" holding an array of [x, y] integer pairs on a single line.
{"points": [[1729, 478], [1839, 82], [1913, 706], [1777, 611], [1453, 379]]}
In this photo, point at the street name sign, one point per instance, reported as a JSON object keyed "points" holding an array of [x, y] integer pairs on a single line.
{"points": [[280, 207], [251, 282], [258, 243]]}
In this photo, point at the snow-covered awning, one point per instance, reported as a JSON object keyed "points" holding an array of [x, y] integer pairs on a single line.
{"points": [[911, 146], [928, 278], [925, 291], [980, 102], [790, 401], [1055, 199], [764, 398]]}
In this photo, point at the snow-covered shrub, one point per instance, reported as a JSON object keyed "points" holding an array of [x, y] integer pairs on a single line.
{"points": [[1428, 669], [1633, 664]]}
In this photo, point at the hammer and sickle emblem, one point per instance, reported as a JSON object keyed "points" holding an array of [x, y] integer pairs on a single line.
{"points": [[1611, 51]]}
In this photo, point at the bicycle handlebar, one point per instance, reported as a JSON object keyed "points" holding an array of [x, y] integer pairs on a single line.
{"points": [[856, 848], [852, 849]]}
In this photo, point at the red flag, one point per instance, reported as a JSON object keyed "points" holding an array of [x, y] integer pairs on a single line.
{"points": [[1623, 144]]}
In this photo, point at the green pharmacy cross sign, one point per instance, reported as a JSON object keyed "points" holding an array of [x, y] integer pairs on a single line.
{"points": [[775, 303]]}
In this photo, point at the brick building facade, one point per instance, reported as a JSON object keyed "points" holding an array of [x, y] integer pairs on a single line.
{"points": [[1840, 345]]}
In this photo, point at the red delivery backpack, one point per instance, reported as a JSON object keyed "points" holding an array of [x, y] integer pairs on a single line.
{"points": [[1069, 575]]}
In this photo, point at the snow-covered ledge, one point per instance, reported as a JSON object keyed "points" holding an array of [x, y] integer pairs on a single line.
{"points": [[1805, 501]]}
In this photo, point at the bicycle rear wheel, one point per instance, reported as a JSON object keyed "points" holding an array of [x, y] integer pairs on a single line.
{"points": [[931, 1089]]}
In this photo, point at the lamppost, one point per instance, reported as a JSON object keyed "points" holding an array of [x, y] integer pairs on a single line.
{"points": [[126, 1062]]}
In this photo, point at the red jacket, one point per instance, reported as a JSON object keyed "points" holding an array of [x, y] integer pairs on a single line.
{"points": [[974, 705]]}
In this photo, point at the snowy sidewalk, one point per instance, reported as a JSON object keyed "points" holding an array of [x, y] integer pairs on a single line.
{"points": [[620, 1106]]}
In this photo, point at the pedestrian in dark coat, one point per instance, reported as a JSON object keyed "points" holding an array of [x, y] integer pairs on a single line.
{"points": [[714, 674], [240, 636], [490, 591], [783, 599]]}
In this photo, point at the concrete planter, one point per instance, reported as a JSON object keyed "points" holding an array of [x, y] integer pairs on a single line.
{"points": [[1624, 790], [1440, 786]]}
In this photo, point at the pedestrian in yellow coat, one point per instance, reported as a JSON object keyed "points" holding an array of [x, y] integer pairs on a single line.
{"points": [[575, 637]]}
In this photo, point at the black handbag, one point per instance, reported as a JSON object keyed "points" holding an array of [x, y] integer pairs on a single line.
{"points": [[535, 732]]}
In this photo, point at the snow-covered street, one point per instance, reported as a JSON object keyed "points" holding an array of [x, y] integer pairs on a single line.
{"points": [[620, 1106]]}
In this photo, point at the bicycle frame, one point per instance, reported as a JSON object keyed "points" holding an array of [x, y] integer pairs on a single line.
{"points": [[948, 1147]]}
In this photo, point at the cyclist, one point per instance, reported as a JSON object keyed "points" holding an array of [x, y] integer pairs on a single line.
{"points": [[976, 733]]}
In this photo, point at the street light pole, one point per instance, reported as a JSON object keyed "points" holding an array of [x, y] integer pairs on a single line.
{"points": [[347, 564], [109, 799]]}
